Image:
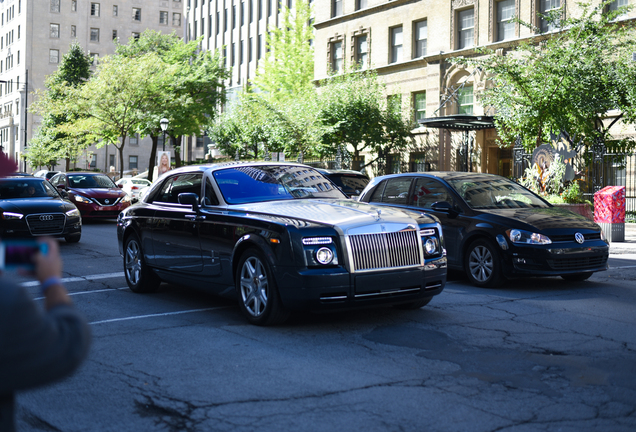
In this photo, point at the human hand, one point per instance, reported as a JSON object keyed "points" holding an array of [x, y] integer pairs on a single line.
{"points": [[48, 265]]}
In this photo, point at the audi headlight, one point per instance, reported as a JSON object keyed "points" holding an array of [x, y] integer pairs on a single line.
{"points": [[12, 216], [527, 237], [73, 213], [82, 199]]}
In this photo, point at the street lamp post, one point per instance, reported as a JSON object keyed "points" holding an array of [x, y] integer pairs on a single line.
{"points": [[164, 126]]}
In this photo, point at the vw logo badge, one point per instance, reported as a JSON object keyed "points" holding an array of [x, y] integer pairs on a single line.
{"points": [[579, 238], [46, 217]]}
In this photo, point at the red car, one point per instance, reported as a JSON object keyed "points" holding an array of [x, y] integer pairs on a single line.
{"points": [[94, 194]]}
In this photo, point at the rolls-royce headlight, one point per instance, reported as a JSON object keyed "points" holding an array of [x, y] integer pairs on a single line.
{"points": [[73, 213], [324, 256], [12, 216], [527, 237], [430, 246], [82, 199]]}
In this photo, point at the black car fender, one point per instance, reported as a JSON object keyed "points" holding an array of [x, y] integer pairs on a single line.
{"points": [[252, 240]]}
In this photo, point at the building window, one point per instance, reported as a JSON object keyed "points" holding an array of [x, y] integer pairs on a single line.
{"points": [[225, 20], [361, 4], [55, 31], [163, 17], [337, 58], [136, 14], [546, 7], [420, 33], [95, 9], [419, 106], [336, 8], [93, 162], [73, 31], [136, 35], [249, 49], [114, 34], [396, 44], [259, 41], [55, 5], [233, 53], [242, 13], [74, 6], [115, 10], [617, 4], [176, 19], [505, 15], [465, 28], [134, 139], [394, 103], [465, 100], [132, 162], [362, 52], [94, 35], [54, 56]]}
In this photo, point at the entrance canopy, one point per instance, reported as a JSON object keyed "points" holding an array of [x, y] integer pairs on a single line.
{"points": [[459, 122], [464, 123]]}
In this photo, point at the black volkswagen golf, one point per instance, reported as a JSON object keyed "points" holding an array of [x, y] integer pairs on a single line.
{"points": [[279, 237], [30, 206], [495, 228]]}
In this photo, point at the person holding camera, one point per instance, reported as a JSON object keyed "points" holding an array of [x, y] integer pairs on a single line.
{"points": [[37, 346]]}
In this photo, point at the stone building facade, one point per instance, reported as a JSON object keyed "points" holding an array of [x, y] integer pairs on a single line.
{"points": [[409, 42]]}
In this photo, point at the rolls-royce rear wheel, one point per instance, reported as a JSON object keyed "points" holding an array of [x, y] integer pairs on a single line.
{"points": [[482, 264], [140, 278], [258, 295]]}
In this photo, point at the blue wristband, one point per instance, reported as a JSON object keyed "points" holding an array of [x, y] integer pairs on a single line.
{"points": [[53, 280]]}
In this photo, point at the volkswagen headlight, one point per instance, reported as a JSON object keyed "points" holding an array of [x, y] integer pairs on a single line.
{"points": [[527, 237]]}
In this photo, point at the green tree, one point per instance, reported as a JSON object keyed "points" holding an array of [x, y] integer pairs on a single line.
{"points": [[564, 81], [287, 70], [49, 143], [191, 94], [353, 110], [116, 99]]}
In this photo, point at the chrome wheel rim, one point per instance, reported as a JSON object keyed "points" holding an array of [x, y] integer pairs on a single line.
{"points": [[254, 286], [133, 262], [480, 264]]}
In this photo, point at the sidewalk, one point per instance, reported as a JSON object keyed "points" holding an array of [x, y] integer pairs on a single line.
{"points": [[629, 245]]}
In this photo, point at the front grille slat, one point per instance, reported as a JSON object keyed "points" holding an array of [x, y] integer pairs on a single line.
{"points": [[579, 263], [385, 250], [46, 223]]}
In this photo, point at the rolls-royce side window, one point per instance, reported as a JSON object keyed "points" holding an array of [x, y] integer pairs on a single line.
{"points": [[178, 184], [210, 198]]}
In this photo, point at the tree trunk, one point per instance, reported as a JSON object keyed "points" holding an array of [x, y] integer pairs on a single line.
{"points": [[121, 155], [177, 151]]}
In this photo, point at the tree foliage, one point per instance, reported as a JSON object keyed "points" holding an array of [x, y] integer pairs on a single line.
{"points": [[287, 69], [568, 80], [49, 143]]}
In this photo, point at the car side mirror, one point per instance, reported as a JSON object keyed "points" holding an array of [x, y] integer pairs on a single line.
{"points": [[120, 186], [442, 206], [189, 198]]}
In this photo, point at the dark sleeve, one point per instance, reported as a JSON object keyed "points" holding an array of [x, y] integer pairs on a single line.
{"points": [[36, 346]]}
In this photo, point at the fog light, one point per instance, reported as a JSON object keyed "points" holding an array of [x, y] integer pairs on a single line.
{"points": [[324, 256]]}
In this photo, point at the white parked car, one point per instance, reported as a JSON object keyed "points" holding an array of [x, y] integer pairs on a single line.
{"points": [[133, 186]]}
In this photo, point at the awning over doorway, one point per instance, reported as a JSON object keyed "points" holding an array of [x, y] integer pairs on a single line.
{"points": [[461, 122]]}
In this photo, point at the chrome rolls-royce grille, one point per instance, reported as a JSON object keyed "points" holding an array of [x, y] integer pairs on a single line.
{"points": [[46, 223], [385, 250]]}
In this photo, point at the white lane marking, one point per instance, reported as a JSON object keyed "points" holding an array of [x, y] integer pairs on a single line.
{"points": [[88, 292], [157, 315], [78, 278], [622, 267]]}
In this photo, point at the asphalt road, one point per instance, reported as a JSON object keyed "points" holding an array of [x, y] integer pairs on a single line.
{"points": [[535, 355]]}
